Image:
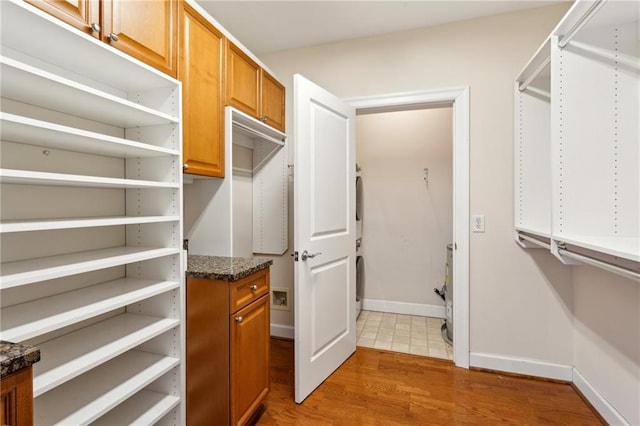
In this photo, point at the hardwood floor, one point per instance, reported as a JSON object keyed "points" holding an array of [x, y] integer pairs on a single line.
{"points": [[374, 387]]}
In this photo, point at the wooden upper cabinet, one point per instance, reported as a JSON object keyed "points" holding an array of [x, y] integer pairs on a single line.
{"points": [[273, 98], [81, 14], [144, 29], [243, 81], [252, 90], [201, 72]]}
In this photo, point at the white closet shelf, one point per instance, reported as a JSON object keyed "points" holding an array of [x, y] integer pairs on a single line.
{"points": [[15, 128], [50, 91], [8, 226], [144, 408], [41, 316], [89, 396], [622, 247], [30, 271], [69, 356], [82, 54], [27, 177], [535, 231]]}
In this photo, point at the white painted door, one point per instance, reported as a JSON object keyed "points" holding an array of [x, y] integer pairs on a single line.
{"points": [[324, 227]]}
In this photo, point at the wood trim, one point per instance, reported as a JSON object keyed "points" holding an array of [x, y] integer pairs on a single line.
{"points": [[79, 17], [17, 398], [242, 294], [207, 352]]}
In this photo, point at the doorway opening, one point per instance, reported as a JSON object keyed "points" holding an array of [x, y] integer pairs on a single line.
{"points": [[404, 229], [457, 101]]}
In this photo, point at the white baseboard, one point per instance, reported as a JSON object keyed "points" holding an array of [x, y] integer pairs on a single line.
{"points": [[284, 331], [403, 308], [527, 367], [602, 406]]}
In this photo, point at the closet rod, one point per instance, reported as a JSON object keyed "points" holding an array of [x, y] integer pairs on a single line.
{"points": [[534, 241], [599, 264], [260, 135], [618, 57], [566, 38], [534, 74]]}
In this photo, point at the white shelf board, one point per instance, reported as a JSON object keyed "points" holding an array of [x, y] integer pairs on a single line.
{"points": [[29, 271], [82, 54], [15, 128], [89, 396], [8, 226], [26, 177], [622, 247], [143, 408], [545, 234], [70, 355], [30, 85], [40, 316]]}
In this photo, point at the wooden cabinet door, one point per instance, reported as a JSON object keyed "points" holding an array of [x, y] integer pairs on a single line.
{"points": [[144, 29], [243, 81], [272, 101], [201, 71], [250, 331], [81, 14], [16, 401]]}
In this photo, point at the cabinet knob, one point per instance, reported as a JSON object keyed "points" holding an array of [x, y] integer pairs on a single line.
{"points": [[239, 319], [95, 28], [113, 37], [185, 166], [253, 287]]}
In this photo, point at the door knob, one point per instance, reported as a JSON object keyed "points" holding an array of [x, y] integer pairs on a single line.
{"points": [[113, 37], [239, 319], [306, 255], [253, 287], [95, 28]]}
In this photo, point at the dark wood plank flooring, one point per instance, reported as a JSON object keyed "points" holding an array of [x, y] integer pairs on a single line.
{"points": [[384, 388]]}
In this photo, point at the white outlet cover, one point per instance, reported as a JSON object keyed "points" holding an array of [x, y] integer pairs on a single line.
{"points": [[477, 223]]}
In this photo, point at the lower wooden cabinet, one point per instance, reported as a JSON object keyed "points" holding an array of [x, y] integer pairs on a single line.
{"points": [[228, 332], [17, 399]]}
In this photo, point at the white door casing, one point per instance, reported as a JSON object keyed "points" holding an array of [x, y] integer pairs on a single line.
{"points": [[324, 225], [458, 98]]}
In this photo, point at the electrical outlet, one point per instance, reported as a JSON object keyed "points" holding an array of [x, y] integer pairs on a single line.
{"points": [[477, 223]]}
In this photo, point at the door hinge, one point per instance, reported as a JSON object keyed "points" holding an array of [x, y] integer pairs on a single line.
{"points": [[295, 256]]}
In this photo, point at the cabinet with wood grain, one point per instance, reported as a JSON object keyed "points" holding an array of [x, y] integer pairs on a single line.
{"points": [[228, 336], [253, 90], [201, 72], [145, 30]]}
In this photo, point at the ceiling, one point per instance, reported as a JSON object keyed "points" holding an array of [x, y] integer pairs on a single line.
{"points": [[270, 26]]}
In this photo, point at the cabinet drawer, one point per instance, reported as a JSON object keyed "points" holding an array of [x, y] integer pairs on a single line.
{"points": [[248, 289]]}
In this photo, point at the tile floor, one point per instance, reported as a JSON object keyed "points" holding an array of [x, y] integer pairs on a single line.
{"points": [[402, 333]]}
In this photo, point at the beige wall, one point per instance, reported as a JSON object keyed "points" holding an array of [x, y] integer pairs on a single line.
{"points": [[523, 304], [515, 308], [406, 222], [607, 337]]}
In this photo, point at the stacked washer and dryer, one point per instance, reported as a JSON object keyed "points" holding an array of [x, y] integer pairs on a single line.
{"points": [[359, 257]]}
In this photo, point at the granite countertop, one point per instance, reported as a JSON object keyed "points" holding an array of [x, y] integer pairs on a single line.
{"points": [[225, 268], [15, 357]]}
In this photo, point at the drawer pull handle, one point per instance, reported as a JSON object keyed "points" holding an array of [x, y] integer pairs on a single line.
{"points": [[239, 319], [253, 287]]}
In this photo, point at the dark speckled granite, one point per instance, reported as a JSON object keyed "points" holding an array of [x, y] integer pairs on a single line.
{"points": [[15, 357], [224, 268]]}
